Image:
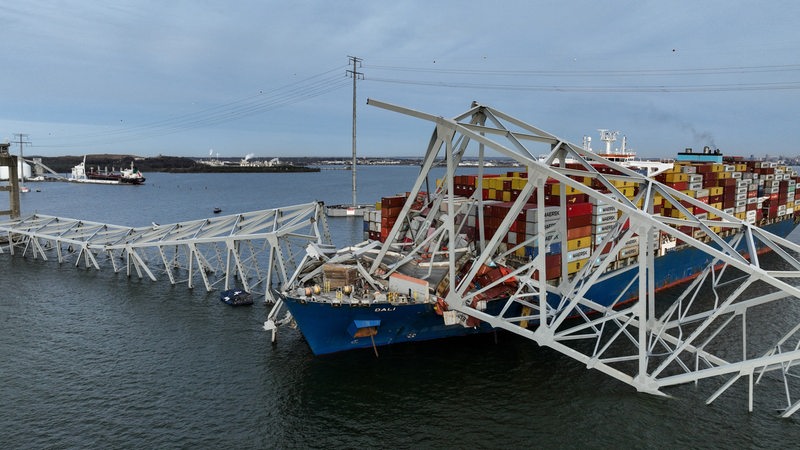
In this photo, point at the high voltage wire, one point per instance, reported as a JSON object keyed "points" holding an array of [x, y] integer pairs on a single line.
{"points": [[302, 90], [331, 80], [594, 74], [597, 73], [790, 85]]}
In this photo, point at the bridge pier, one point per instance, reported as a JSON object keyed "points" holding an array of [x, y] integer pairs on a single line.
{"points": [[7, 160]]}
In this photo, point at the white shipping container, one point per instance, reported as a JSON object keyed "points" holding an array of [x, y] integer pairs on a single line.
{"points": [[604, 218], [604, 228], [581, 253], [697, 178], [551, 213], [603, 209], [532, 228], [634, 241]]}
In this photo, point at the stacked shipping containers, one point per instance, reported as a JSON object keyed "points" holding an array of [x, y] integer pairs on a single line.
{"points": [[754, 191]]}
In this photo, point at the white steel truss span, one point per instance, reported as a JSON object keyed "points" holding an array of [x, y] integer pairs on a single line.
{"points": [[250, 250], [715, 327]]}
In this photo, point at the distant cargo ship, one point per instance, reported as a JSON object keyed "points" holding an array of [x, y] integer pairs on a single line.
{"points": [[129, 176]]}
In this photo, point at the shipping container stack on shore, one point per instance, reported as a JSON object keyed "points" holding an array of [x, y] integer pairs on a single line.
{"points": [[758, 192]]}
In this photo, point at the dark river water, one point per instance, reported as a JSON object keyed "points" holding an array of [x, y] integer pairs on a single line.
{"points": [[94, 359]]}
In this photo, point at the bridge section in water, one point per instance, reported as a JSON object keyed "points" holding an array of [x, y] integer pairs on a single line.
{"points": [[252, 251]]}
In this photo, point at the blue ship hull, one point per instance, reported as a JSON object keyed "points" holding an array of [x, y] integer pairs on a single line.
{"points": [[329, 329]]}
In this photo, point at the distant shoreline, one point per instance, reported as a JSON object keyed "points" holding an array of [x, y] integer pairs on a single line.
{"points": [[182, 164]]}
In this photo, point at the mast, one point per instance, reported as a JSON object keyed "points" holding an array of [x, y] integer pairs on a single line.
{"points": [[355, 74]]}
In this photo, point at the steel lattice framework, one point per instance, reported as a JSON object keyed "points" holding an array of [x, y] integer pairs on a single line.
{"points": [[714, 327], [251, 250]]}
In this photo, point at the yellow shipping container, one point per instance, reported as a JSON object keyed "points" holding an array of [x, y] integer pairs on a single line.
{"points": [[622, 184], [574, 244], [741, 167], [676, 167], [506, 196], [741, 216], [676, 214], [575, 266], [723, 175], [518, 183], [677, 177], [627, 191], [569, 190], [717, 167], [715, 190]]}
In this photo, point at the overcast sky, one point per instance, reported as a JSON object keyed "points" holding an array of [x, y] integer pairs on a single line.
{"points": [[268, 77]]}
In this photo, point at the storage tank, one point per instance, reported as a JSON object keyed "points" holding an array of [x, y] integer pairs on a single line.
{"points": [[22, 168]]}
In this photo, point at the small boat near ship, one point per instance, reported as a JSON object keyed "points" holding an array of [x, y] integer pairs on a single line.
{"points": [[128, 176], [393, 287], [236, 297]]}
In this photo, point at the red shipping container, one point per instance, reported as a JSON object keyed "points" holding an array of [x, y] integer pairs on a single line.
{"points": [[578, 208], [679, 185], [393, 201], [579, 221]]}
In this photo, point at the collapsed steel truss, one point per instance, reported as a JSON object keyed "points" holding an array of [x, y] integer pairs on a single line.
{"points": [[251, 250], [654, 341]]}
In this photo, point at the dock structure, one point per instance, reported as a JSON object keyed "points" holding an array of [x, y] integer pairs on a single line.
{"points": [[9, 161], [712, 327], [255, 251]]}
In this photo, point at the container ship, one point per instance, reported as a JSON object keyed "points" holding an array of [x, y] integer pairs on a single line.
{"points": [[395, 287]]}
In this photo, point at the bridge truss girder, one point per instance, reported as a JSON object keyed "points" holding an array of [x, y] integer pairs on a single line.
{"points": [[652, 342], [250, 250]]}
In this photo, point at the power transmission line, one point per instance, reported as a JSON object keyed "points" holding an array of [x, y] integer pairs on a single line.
{"points": [[299, 91]]}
